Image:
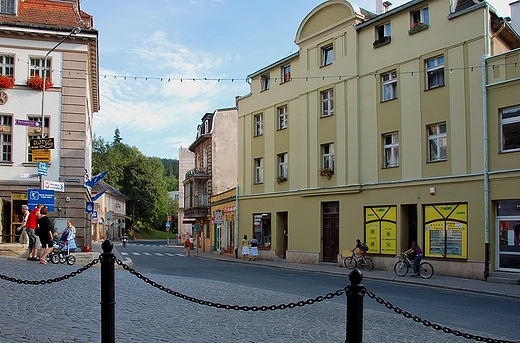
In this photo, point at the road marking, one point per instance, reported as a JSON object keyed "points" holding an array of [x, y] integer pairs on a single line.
{"points": [[124, 253], [168, 254], [159, 254], [136, 253], [147, 254], [181, 255]]}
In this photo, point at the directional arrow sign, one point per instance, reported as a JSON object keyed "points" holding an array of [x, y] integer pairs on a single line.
{"points": [[55, 186], [23, 122]]}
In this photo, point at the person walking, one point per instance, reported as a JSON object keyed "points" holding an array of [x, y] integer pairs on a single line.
{"points": [[30, 228], [245, 248], [45, 234], [187, 247], [254, 248], [22, 227]]}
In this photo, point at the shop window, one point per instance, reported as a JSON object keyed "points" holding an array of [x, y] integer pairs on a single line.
{"points": [[262, 229]]}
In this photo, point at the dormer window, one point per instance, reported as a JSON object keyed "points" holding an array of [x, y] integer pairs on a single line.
{"points": [[7, 7]]}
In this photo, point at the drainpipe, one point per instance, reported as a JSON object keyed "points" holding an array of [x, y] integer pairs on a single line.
{"points": [[236, 222], [485, 151]]}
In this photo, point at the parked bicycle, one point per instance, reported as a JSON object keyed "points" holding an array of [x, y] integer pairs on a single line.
{"points": [[353, 261], [401, 267]]}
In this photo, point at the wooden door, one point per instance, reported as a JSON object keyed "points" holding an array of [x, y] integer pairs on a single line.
{"points": [[330, 237]]}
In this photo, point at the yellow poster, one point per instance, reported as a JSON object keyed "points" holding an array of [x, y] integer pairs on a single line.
{"points": [[381, 229], [446, 229]]}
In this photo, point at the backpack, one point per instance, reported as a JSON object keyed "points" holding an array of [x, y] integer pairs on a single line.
{"points": [[364, 247]]}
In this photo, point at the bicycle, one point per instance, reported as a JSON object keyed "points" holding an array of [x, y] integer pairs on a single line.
{"points": [[353, 261], [401, 267]]}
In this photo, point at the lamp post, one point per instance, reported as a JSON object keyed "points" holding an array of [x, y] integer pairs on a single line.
{"points": [[74, 31]]}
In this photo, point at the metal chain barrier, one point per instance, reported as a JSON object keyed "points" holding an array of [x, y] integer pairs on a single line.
{"points": [[49, 281], [434, 326], [231, 307]]}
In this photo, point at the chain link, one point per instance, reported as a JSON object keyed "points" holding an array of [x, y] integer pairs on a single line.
{"points": [[427, 323], [231, 307], [49, 281]]}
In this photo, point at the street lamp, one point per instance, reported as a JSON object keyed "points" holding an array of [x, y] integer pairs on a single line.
{"points": [[74, 31]]}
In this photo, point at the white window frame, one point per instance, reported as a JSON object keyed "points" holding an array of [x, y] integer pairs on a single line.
{"points": [[259, 170], [8, 6], [435, 72], [265, 82], [384, 30], [327, 55], [509, 122], [286, 73], [259, 124], [7, 65], [389, 85], [391, 150], [327, 154], [421, 15], [282, 117], [327, 103], [36, 67], [283, 167], [6, 138], [437, 142]]}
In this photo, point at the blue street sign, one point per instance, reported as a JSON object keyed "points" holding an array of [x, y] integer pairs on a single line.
{"points": [[89, 207], [167, 224], [40, 196], [42, 168]]}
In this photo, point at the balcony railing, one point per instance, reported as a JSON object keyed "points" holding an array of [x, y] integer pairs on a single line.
{"points": [[196, 171]]}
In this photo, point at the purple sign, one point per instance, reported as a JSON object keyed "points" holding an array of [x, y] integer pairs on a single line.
{"points": [[27, 122]]}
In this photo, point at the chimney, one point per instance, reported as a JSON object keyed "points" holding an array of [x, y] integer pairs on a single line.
{"points": [[382, 7], [386, 6], [515, 15]]}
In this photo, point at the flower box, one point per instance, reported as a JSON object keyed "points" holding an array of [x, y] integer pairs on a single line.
{"points": [[280, 179], [417, 27], [382, 41], [37, 82], [6, 82], [326, 172]]}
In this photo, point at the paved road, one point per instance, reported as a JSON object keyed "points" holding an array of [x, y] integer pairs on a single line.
{"points": [[69, 311]]}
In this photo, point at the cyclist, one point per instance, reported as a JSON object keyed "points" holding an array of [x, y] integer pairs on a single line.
{"points": [[418, 257], [362, 248]]}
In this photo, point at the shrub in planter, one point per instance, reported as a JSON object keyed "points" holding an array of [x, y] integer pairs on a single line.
{"points": [[6, 82]]}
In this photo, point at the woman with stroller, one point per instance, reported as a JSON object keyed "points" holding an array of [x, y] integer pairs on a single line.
{"points": [[68, 238]]}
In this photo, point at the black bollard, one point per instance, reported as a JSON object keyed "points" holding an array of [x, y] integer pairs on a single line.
{"points": [[355, 307], [108, 303]]}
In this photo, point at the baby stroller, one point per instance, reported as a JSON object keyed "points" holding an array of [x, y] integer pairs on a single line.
{"points": [[61, 254]]}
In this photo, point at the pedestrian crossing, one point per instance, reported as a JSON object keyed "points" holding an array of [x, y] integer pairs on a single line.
{"points": [[125, 252]]}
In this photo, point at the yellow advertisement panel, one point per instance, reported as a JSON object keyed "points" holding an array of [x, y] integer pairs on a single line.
{"points": [[41, 155], [446, 229], [381, 229]]}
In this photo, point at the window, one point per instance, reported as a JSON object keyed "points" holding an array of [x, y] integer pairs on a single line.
{"points": [[389, 83], [383, 31], [7, 6], [435, 72], [327, 55], [36, 67], [265, 81], [259, 125], [420, 16], [327, 103], [282, 117], [7, 65], [391, 150], [259, 170], [35, 132], [262, 229], [510, 129], [6, 138], [437, 142], [286, 72], [327, 152], [282, 166]]}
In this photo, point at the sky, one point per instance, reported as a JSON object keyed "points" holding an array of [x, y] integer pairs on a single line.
{"points": [[147, 47]]}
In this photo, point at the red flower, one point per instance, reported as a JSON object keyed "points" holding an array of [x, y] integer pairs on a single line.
{"points": [[6, 82], [37, 82]]}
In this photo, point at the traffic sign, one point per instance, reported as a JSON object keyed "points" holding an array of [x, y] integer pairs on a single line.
{"points": [[43, 155], [55, 186], [23, 122], [40, 196], [89, 208], [42, 168]]}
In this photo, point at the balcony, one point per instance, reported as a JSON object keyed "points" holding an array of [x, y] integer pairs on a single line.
{"points": [[197, 172]]}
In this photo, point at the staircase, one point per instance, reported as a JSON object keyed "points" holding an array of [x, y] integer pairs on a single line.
{"points": [[504, 278]]}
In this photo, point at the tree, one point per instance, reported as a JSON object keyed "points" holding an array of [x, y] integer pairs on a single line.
{"points": [[117, 136]]}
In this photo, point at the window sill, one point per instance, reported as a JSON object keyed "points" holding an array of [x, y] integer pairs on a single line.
{"points": [[6, 163], [391, 166], [418, 28], [439, 160], [434, 87], [387, 100], [326, 116]]}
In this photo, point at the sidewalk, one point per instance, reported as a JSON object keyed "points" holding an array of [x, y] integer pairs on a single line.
{"points": [[459, 284]]}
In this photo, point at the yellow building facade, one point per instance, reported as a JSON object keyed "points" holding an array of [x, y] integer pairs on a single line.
{"points": [[376, 130]]}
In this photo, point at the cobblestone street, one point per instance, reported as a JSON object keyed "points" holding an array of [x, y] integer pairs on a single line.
{"points": [[69, 311]]}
